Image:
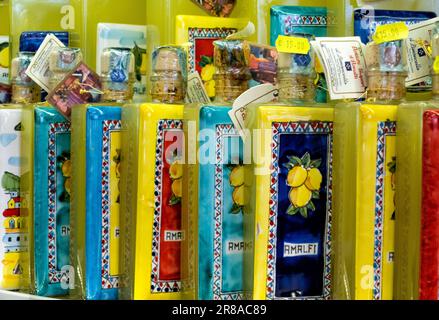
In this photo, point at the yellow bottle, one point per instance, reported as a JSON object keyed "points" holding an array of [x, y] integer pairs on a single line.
{"points": [[152, 183], [364, 179]]}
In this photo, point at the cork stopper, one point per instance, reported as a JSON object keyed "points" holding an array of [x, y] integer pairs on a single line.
{"points": [[118, 74], [296, 74], [387, 70], [62, 61], [169, 79], [231, 59], [24, 89]]}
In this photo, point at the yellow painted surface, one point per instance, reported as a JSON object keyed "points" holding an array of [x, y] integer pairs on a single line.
{"points": [[115, 147]]}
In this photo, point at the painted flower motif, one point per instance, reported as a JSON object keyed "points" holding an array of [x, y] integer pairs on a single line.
{"points": [[305, 180]]}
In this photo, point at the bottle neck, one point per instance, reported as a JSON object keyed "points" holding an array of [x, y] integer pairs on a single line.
{"points": [[386, 86], [118, 92], [296, 88], [229, 86], [168, 87]]}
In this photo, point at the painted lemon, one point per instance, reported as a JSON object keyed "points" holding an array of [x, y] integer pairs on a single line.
{"points": [[314, 180], [237, 176], [4, 58], [207, 72], [67, 168], [297, 176], [68, 185], [240, 196], [210, 88], [176, 170], [177, 188], [300, 197]]}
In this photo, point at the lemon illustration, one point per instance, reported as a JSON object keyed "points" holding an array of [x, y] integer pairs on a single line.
{"points": [[237, 176], [67, 168], [207, 72], [300, 197], [314, 180], [240, 196], [4, 58], [68, 185], [176, 170], [177, 188], [297, 176]]}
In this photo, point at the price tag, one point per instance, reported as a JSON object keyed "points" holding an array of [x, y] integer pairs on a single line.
{"points": [[294, 45], [391, 32]]}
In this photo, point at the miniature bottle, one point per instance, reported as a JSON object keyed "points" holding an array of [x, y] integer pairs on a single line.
{"points": [[62, 61], [416, 253], [24, 89], [214, 196], [364, 179], [96, 162], [151, 183], [289, 220], [46, 184]]}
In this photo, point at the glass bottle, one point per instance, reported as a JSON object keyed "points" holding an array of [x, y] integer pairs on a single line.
{"points": [[62, 61], [289, 220], [416, 226], [152, 183], [364, 179], [96, 176], [24, 89]]}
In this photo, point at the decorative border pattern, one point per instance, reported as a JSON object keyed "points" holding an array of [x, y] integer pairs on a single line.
{"points": [[306, 20], [108, 126], [385, 129], [222, 131], [54, 129], [279, 128], [157, 285], [204, 33]]}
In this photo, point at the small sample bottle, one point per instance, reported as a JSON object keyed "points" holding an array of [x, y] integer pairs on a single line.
{"points": [[62, 61], [24, 89], [151, 183], [289, 225], [416, 234], [214, 190], [47, 185], [364, 179], [96, 163]]}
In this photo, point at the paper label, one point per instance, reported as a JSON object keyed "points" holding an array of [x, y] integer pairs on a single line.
{"points": [[294, 45], [196, 91], [38, 69], [263, 93], [419, 52], [345, 66], [4, 59], [391, 32]]}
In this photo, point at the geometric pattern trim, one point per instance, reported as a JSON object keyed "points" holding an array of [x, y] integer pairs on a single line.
{"points": [[205, 33], [108, 281], [222, 131], [54, 130], [385, 129], [278, 129], [157, 285]]}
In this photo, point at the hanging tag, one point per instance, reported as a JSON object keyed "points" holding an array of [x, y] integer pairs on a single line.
{"points": [[78, 87], [391, 32], [196, 92], [263, 93], [38, 69], [295, 45], [345, 66], [419, 52], [248, 31]]}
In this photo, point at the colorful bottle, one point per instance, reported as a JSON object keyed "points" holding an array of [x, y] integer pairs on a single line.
{"points": [[47, 185], [96, 157], [364, 179], [214, 194], [15, 221], [416, 236], [289, 220], [152, 183]]}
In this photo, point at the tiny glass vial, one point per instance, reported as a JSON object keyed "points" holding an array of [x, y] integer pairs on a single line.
{"points": [[169, 78], [62, 61], [24, 89], [296, 76], [387, 71], [232, 75], [118, 74]]}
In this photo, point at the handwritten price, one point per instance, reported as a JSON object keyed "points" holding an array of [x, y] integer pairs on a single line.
{"points": [[295, 45], [391, 32]]}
